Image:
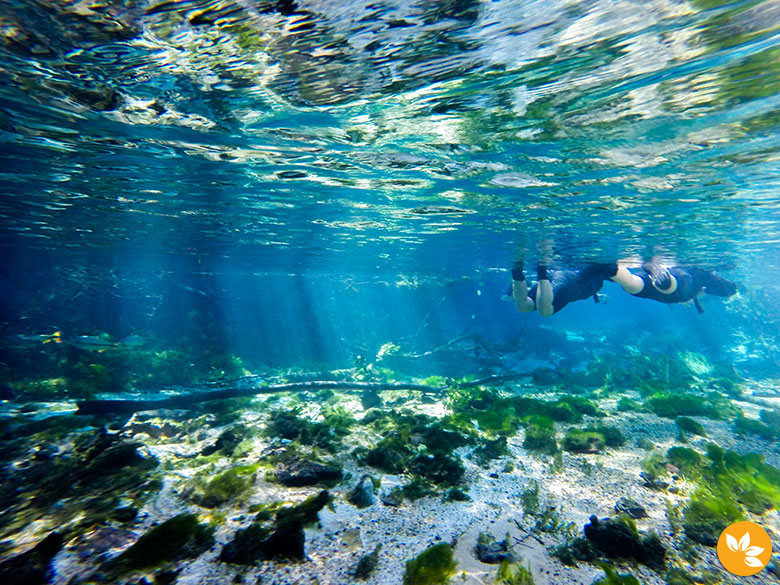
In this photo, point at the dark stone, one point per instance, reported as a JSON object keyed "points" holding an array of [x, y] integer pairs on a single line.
{"points": [[617, 540], [123, 454], [362, 495], [494, 553], [630, 508], [651, 482], [367, 564], [32, 567], [226, 444], [370, 399], [304, 473], [393, 498], [258, 542], [125, 514]]}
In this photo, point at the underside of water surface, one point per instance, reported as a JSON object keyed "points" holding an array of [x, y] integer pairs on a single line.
{"points": [[260, 271]]}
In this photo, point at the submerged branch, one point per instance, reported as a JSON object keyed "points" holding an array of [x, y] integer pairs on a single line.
{"points": [[186, 401]]}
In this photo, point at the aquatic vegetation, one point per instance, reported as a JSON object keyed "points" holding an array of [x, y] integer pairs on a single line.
{"points": [[688, 425], [284, 538], [434, 566], [367, 564], [580, 441], [611, 577], [674, 405], [530, 499], [540, 435], [750, 426], [456, 495], [514, 574], [491, 449], [619, 538], [227, 486], [686, 460], [730, 482], [613, 437], [180, 537], [326, 434], [654, 465], [625, 404], [417, 488], [575, 551]]}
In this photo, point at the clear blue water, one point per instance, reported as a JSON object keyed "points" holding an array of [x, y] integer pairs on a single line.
{"points": [[272, 158], [195, 191]]}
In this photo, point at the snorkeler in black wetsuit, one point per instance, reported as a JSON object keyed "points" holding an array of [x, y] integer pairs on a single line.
{"points": [[557, 288], [676, 284]]}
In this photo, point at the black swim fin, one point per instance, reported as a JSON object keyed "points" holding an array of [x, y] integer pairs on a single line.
{"points": [[698, 306]]}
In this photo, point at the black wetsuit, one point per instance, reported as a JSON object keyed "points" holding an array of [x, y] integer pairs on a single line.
{"points": [[576, 285], [690, 282]]}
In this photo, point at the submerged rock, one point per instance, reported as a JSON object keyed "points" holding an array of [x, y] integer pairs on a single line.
{"points": [[226, 443], [393, 498], [630, 508], [285, 539], [305, 473], [362, 495], [32, 567], [493, 553], [617, 539], [367, 564]]}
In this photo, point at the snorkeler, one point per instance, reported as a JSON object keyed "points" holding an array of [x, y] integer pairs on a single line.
{"points": [[675, 284], [555, 289]]}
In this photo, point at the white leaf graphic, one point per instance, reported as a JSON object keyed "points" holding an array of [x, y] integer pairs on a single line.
{"points": [[754, 551], [744, 542], [753, 562], [732, 543]]}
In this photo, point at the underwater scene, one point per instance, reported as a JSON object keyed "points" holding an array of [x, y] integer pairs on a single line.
{"points": [[424, 292]]}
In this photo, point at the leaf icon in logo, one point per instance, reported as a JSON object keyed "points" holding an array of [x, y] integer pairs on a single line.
{"points": [[744, 542], [732, 543], [753, 562]]}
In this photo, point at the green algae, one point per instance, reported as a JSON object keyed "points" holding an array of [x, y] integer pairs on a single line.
{"points": [[514, 574], [731, 483], [625, 404], [180, 536], [367, 564], [611, 577], [613, 437], [230, 485], [434, 566], [580, 441], [540, 435], [687, 460]]}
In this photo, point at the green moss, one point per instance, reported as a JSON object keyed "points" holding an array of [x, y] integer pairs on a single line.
{"points": [[579, 549], [229, 485], [625, 404], [530, 499], [730, 484], [654, 465], [674, 405], [514, 574], [613, 437], [434, 566], [688, 425], [456, 495], [490, 450], [686, 460], [164, 542], [579, 441], [749, 426], [540, 435], [416, 489], [327, 434], [612, 577], [435, 381]]}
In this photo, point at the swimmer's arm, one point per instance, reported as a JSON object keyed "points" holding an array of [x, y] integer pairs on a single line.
{"points": [[631, 283]]}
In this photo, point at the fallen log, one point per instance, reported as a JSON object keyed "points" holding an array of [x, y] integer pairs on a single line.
{"points": [[186, 401]]}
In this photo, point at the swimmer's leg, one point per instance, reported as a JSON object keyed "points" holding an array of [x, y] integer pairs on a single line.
{"points": [[523, 302], [544, 292]]}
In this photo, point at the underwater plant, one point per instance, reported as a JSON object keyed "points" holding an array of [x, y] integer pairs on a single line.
{"points": [[514, 574], [580, 441], [540, 435], [434, 566], [611, 577]]}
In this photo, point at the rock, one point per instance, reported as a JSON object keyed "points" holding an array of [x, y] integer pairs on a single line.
{"points": [[226, 444], [652, 483], [123, 454], [493, 553], [285, 539], [630, 508], [362, 495], [32, 567], [393, 498], [616, 539], [367, 564], [304, 473]]}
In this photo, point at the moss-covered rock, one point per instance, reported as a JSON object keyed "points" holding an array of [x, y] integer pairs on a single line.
{"points": [[540, 435], [579, 441], [434, 566]]}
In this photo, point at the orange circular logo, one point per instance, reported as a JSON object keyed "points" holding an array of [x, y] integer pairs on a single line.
{"points": [[744, 548]]}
